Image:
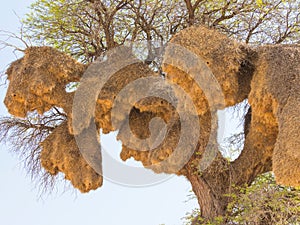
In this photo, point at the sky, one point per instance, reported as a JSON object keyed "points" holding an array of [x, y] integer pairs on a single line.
{"points": [[113, 204]]}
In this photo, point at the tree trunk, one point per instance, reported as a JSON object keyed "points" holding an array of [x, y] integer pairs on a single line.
{"points": [[209, 205], [210, 187]]}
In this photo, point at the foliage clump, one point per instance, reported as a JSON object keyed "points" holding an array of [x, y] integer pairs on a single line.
{"points": [[263, 203]]}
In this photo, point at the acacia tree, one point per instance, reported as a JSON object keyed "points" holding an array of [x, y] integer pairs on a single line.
{"points": [[88, 29]]}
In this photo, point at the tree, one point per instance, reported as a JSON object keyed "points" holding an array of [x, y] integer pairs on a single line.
{"points": [[88, 29]]}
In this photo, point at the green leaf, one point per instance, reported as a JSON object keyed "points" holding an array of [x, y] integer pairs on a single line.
{"points": [[259, 3]]}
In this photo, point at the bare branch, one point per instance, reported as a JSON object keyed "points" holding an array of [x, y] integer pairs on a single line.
{"points": [[24, 136]]}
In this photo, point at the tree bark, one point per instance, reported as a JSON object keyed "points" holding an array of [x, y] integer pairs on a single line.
{"points": [[209, 205]]}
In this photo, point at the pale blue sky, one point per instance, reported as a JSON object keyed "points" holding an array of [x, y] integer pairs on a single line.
{"points": [[110, 205]]}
